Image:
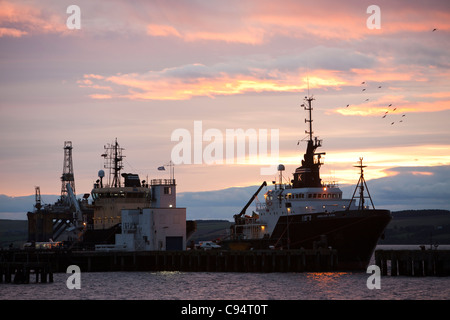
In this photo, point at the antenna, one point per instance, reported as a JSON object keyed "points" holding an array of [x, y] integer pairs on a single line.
{"points": [[307, 80], [171, 166]]}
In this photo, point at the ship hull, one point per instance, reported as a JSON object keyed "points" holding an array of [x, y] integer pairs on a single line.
{"points": [[353, 233]]}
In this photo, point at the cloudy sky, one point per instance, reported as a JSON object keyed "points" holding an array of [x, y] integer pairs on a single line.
{"points": [[139, 71]]}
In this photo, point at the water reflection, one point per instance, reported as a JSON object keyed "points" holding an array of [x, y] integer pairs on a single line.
{"points": [[325, 282]]}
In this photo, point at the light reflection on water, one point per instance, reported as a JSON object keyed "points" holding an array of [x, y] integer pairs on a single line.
{"points": [[230, 286]]}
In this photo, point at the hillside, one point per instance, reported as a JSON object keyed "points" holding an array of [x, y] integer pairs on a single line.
{"points": [[418, 227], [13, 232]]}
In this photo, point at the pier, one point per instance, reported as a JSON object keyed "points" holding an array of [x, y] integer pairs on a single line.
{"points": [[417, 263], [22, 273], [320, 260]]}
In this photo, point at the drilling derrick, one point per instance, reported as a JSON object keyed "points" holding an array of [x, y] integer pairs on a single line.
{"points": [[67, 176]]}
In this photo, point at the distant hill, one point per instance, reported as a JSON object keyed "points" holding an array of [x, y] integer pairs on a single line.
{"points": [[210, 230], [406, 227], [13, 232], [418, 227]]}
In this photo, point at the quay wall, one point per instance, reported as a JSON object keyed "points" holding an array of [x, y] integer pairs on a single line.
{"points": [[418, 263], [189, 261]]}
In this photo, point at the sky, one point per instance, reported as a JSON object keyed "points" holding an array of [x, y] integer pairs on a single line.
{"points": [[143, 71]]}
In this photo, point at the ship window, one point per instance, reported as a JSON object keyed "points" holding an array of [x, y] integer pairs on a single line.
{"points": [[319, 195], [315, 195], [309, 195], [167, 190]]}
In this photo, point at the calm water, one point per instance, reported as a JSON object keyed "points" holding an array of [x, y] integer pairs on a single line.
{"points": [[230, 286]]}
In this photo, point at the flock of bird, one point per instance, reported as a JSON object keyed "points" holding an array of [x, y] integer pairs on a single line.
{"points": [[390, 105], [387, 111]]}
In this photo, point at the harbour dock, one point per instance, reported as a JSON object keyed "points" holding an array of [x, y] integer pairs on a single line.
{"points": [[22, 273], [417, 263], [319, 260]]}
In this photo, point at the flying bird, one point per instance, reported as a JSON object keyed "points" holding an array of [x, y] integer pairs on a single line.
{"points": [[392, 123], [347, 106], [384, 116], [367, 99], [379, 87], [395, 109], [434, 30], [363, 82], [403, 115], [364, 89]]}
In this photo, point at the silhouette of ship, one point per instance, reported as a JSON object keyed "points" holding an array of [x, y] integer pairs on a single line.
{"points": [[307, 213]]}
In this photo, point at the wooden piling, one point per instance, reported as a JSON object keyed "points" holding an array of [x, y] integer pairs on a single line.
{"points": [[417, 263], [192, 261]]}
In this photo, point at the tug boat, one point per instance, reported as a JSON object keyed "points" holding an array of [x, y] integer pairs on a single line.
{"points": [[307, 213]]}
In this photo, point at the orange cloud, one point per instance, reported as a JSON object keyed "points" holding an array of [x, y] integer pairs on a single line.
{"points": [[198, 80], [162, 30], [422, 173], [250, 36], [17, 20], [100, 96], [399, 105], [12, 32]]}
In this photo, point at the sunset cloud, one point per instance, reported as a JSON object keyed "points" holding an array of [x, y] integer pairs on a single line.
{"points": [[137, 70], [19, 19], [194, 80]]}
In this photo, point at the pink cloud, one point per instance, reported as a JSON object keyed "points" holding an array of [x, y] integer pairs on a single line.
{"points": [[11, 32], [17, 20], [158, 30], [185, 82]]}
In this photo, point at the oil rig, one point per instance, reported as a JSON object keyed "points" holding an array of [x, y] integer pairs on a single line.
{"points": [[65, 220]]}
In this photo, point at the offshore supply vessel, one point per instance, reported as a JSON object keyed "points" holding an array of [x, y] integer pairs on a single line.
{"points": [[307, 213], [78, 223]]}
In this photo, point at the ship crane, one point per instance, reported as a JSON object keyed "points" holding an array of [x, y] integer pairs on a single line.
{"points": [[78, 221], [238, 217]]}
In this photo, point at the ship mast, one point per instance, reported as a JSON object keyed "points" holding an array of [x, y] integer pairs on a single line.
{"points": [[308, 174], [309, 108], [113, 161], [362, 186]]}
